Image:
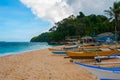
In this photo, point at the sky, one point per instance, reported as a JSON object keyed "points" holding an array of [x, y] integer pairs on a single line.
{"points": [[20, 20]]}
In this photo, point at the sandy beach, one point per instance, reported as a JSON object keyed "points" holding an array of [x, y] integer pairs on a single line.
{"points": [[42, 65]]}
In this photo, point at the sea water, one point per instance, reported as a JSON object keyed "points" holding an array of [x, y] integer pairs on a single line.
{"points": [[7, 48]]}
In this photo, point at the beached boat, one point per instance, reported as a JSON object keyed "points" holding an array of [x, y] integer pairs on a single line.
{"points": [[59, 52], [90, 55], [64, 48], [81, 48], [56, 49], [102, 73], [71, 47]]}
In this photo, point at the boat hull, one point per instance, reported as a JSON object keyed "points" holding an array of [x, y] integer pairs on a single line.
{"points": [[59, 52], [90, 55], [101, 72]]}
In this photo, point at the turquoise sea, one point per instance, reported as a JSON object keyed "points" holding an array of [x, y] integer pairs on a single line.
{"points": [[7, 48]]}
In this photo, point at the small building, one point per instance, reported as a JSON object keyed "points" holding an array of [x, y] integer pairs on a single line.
{"points": [[105, 37], [87, 39], [72, 39]]}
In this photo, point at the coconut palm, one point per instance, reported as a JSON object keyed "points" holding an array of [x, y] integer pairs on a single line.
{"points": [[114, 13]]}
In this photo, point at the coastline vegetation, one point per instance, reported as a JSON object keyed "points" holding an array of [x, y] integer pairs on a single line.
{"points": [[82, 25]]}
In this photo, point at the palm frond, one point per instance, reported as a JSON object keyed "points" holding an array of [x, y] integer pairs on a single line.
{"points": [[108, 12]]}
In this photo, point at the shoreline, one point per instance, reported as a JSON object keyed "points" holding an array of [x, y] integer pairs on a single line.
{"points": [[12, 48], [16, 53], [21, 52], [41, 65]]}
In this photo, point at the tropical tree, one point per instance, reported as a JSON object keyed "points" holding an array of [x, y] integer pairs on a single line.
{"points": [[114, 13], [79, 25]]}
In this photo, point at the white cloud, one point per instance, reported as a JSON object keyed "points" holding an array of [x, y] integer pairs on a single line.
{"points": [[91, 6], [52, 10], [56, 10]]}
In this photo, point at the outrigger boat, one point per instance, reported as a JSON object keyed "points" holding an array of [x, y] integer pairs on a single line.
{"points": [[56, 49], [62, 50], [90, 55], [102, 73], [59, 52]]}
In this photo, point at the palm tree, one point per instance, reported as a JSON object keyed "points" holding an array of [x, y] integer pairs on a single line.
{"points": [[114, 13]]}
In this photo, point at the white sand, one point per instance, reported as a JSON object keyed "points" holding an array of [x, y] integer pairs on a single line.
{"points": [[41, 65]]}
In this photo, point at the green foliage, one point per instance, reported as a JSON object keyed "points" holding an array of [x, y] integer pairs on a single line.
{"points": [[80, 25], [44, 37], [114, 13], [35, 39]]}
